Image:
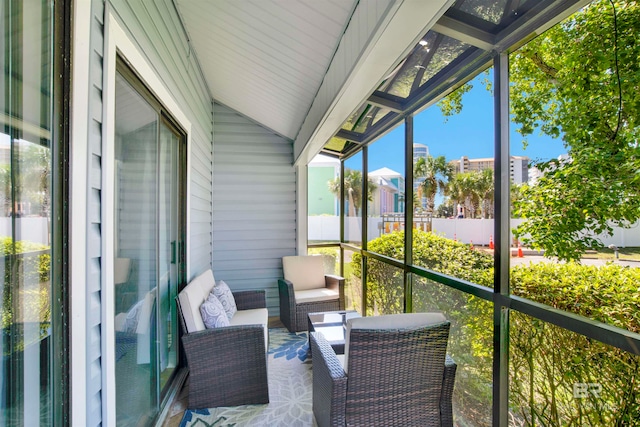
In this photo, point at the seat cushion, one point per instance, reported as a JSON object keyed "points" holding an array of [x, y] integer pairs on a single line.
{"points": [[121, 270], [403, 321], [314, 295], [304, 272], [255, 316], [192, 297], [130, 323]]}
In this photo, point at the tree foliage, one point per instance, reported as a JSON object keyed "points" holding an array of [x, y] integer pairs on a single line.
{"points": [[353, 190], [545, 361], [20, 299], [29, 175], [580, 80], [474, 190], [435, 173]]}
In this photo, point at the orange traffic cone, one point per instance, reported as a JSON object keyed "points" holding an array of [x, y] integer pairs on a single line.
{"points": [[491, 246], [520, 254], [471, 247]]}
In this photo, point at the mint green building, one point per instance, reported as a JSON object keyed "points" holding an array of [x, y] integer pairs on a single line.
{"points": [[321, 170]]}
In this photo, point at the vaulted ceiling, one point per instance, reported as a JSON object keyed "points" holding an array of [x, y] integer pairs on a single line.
{"points": [[332, 75], [266, 59]]}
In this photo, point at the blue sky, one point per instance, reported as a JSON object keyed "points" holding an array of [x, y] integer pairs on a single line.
{"points": [[469, 133]]}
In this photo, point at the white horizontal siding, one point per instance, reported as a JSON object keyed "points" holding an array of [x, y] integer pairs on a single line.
{"points": [[155, 27], [254, 204]]}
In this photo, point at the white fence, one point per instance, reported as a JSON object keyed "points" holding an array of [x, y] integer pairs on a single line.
{"points": [[478, 231], [327, 229], [32, 229]]}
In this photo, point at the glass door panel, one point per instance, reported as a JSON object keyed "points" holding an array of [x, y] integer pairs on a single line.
{"points": [[136, 244], [150, 157], [27, 365], [168, 212]]}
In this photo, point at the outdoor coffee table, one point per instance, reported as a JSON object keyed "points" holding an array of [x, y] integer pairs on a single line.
{"points": [[332, 325]]}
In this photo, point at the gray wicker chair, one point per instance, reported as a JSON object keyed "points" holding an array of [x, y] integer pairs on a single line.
{"points": [[307, 289], [227, 365], [396, 375]]}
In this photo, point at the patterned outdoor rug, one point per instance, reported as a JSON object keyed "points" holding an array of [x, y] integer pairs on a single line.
{"points": [[290, 384]]}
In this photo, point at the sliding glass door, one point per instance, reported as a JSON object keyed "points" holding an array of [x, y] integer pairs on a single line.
{"points": [[33, 363], [149, 224], [170, 248]]}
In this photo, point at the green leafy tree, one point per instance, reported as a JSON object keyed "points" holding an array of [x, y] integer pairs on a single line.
{"points": [[516, 194], [580, 80], [31, 179], [445, 210], [5, 190]]}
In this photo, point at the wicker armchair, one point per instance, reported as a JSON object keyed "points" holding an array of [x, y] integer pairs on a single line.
{"points": [[306, 289], [227, 365], [396, 373]]}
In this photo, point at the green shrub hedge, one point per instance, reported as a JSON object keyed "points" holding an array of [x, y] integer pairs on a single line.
{"points": [[25, 287], [550, 367]]}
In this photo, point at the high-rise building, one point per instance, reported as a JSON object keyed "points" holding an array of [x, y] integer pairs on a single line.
{"points": [[420, 150], [518, 166]]}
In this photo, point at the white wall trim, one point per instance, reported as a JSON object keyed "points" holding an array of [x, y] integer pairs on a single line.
{"points": [[302, 210], [118, 41], [79, 165]]}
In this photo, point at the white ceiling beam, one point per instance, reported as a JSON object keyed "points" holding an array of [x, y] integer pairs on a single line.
{"points": [[465, 33], [398, 30]]}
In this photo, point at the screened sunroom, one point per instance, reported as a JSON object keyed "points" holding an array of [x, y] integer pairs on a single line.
{"points": [[473, 158]]}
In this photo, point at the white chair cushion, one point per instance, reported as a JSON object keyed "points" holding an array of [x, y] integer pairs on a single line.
{"points": [[121, 269], [313, 295], [119, 321], [304, 272], [255, 316], [130, 323], [144, 318], [192, 297], [403, 321]]}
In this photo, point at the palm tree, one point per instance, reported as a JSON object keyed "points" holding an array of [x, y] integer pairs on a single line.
{"points": [[474, 190], [462, 190], [435, 173], [352, 189], [484, 190]]}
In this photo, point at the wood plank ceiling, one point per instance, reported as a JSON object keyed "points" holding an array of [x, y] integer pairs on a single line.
{"points": [[266, 58]]}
